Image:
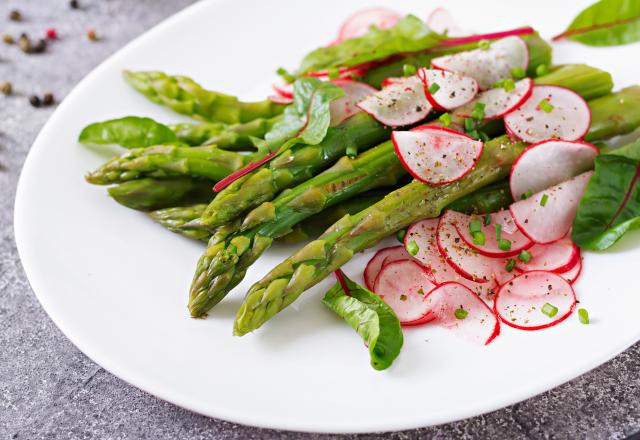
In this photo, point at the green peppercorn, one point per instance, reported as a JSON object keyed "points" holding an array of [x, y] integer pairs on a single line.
{"points": [[6, 88], [8, 38]]}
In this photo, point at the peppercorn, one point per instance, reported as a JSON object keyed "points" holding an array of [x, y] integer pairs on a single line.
{"points": [[51, 34], [73, 4], [92, 35], [25, 43], [8, 38], [34, 101], [15, 15], [48, 99], [40, 46], [6, 88]]}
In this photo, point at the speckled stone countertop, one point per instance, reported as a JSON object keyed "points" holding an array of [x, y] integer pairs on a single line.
{"points": [[50, 390]]}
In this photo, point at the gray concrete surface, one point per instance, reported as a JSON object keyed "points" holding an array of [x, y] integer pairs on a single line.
{"points": [[49, 390]]}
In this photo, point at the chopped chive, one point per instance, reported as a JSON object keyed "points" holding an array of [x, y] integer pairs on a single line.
{"points": [[285, 75], [518, 72], [333, 73], [498, 231], [526, 195], [445, 118], [544, 199], [475, 226], [433, 88], [409, 69], [550, 310], [412, 248], [460, 313], [545, 106], [525, 256], [542, 69], [504, 244], [487, 219], [484, 44], [511, 264], [351, 151], [469, 124], [478, 111], [583, 316], [498, 84], [479, 238], [400, 235], [509, 85]]}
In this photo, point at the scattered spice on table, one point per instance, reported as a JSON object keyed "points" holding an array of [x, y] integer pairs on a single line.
{"points": [[51, 34], [6, 88], [8, 38], [48, 99], [92, 35], [24, 43], [74, 4], [35, 101], [15, 15]]}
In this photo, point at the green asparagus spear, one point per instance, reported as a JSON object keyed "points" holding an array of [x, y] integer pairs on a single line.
{"points": [[489, 199], [147, 194], [397, 210], [185, 96], [171, 161]]}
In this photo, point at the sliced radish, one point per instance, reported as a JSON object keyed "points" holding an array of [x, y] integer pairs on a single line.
{"points": [[549, 163], [436, 155], [560, 256], [441, 21], [498, 102], [283, 90], [480, 323], [547, 215], [280, 100], [359, 23], [391, 81], [520, 302], [573, 274], [386, 255], [403, 285], [490, 65], [551, 112], [453, 89], [491, 248], [399, 104], [345, 107], [466, 261]]}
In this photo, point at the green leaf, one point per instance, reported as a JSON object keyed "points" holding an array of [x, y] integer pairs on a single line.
{"points": [[371, 318], [129, 132], [606, 23], [409, 35], [610, 205], [307, 119]]}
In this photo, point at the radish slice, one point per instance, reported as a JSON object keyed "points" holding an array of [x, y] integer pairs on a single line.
{"points": [[399, 104], [519, 303], [491, 248], [391, 81], [560, 256], [345, 107], [283, 90], [490, 65], [436, 155], [574, 273], [466, 261], [564, 115], [479, 325], [441, 21], [454, 90], [549, 163], [498, 102], [359, 23], [403, 285], [551, 222], [280, 100], [383, 256]]}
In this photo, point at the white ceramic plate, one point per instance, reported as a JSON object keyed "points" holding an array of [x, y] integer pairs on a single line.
{"points": [[116, 284]]}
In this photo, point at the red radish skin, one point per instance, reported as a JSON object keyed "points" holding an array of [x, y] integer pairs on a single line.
{"points": [[441, 21], [345, 107], [560, 256], [403, 285], [359, 23], [490, 65], [480, 324], [391, 81], [277, 99], [491, 36], [385, 255], [436, 155], [398, 105], [569, 119], [509, 231], [549, 163], [283, 90], [519, 302], [573, 274], [498, 102], [551, 222], [454, 90]]}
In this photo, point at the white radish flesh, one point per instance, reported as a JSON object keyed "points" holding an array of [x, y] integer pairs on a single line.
{"points": [[487, 66], [359, 23], [479, 323], [560, 256], [447, 90], [382, 257], [573, 274], [441, 21], [399, 104], [547, 215], [520, 302], [491, 248], [345, 107], [551, 112], [549, 163], [498, 101], [436, 155]]}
